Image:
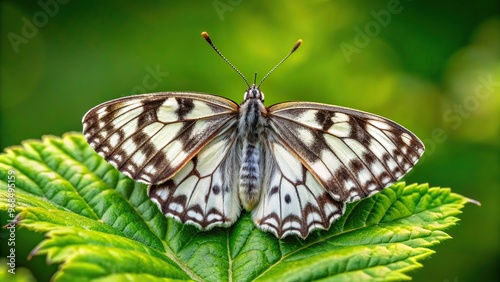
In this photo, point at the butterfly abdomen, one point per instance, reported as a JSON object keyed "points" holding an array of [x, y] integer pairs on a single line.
{"points": [[250, 176]]}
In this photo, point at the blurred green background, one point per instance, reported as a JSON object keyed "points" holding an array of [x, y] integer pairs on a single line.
{"points": [[432, 66]]}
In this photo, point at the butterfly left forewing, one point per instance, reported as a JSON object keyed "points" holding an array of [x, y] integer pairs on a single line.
{"points": [[353, 154], [150, 137]]}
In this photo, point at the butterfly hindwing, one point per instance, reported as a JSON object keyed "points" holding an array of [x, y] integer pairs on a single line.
{"points": [[150, 137], [203, 192], [292, 200], [352, 153]]}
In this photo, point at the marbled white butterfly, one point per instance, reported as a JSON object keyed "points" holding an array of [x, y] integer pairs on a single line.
{"points": [[294, 165]]}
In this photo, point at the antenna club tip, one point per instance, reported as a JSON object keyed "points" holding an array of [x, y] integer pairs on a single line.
{"points": [[296, 45], [207, 38]]}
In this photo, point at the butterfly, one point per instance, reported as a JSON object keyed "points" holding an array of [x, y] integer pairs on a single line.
{"points": [[293, 165]]}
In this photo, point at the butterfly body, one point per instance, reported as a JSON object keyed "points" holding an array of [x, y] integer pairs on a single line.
{"points": [[251, 125]]}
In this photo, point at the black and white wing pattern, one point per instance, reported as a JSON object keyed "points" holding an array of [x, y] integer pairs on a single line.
{"points": [[181, 144], [152, 136], [353, 154]]}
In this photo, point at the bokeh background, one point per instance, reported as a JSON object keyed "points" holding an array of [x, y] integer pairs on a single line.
{"points": [[432, 66]]}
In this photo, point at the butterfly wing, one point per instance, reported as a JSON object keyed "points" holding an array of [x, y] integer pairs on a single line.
{"points": [[150, 137], [203, 193], [352, 154], [292, 200]]}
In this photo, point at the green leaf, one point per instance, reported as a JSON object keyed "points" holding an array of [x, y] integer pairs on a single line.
{"points": [[101, 225]]}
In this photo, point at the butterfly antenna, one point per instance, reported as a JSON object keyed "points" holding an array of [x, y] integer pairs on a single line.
{"points": [[207, 38], [281, 62]]}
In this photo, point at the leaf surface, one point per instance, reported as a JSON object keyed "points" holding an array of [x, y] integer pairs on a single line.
{"points": [[101, 225]]}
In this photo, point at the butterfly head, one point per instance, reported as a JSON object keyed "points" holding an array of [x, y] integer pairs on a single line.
{"points": [[254, 93]]}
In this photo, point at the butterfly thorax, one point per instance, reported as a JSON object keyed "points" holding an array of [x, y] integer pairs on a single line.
{"points": [[252, 122]]}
